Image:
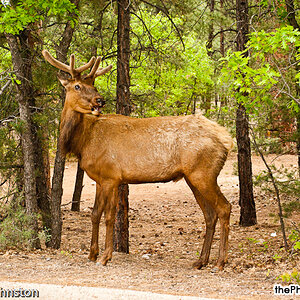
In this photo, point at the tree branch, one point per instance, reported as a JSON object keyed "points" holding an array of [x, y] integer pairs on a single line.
{"points": [[275, 188], [5, 86], [166, 12]]}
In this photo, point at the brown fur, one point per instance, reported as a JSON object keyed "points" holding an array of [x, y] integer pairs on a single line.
{"points": [[115, 149]]}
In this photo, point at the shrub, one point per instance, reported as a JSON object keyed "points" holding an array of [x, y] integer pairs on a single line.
{"points": [[15, 231]]}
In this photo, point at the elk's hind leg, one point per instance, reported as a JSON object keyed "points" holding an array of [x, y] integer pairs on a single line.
{"points": [[99, 206], [110, 212], [224, 211], [214, 205], [211, 218]]}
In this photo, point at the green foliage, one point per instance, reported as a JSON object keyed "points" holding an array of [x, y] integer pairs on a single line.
{"points": [[290, 207], [254, 75], [294, 237], [15, 227], [66, 253], [286, 179], [292, 277], [169, 80], [10, 151], [15, 18], [263, 246]]}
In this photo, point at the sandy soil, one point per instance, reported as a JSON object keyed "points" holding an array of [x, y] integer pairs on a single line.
{"points": [[166, 234]]}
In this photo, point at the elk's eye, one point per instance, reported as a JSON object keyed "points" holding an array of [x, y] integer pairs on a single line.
{"points": [[77, 87]]}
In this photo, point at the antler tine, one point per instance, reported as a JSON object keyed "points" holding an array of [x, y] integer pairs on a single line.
{"points": [[86, 66], [103, 71], [72, 71], [69, 69], [54, 62], [95, 68]]}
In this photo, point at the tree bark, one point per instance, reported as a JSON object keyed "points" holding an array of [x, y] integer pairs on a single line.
{"points": [[121, 229], [211, 4], [21, 58], [291, 16], [222, 34], [59, 165], [42, 166], [41, 155], [246, 198], [77, 189]]}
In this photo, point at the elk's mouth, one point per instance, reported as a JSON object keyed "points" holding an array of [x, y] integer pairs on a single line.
{"points": [[96, 110], [98, 103]]}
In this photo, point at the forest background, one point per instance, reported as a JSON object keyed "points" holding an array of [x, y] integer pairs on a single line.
{"points": [[184, 59]]}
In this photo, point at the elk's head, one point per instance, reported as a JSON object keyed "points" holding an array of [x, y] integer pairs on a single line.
{"points": [[81, 95]]}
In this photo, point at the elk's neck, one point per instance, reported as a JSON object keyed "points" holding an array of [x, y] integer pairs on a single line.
{"points": [[72, 132]]}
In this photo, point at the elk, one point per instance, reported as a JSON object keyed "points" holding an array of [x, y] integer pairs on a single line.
{"points": [[115, 149]]}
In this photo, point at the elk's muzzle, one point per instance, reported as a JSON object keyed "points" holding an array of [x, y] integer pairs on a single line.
{"points": [[98, 103]]}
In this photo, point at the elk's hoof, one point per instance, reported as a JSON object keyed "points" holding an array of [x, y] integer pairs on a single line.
{"points": [[92, 257], [220, 266], [104, 260], [198, 264]]}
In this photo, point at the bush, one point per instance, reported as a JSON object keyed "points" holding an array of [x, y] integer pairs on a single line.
{"points": [[15, 231], [286, 180]]}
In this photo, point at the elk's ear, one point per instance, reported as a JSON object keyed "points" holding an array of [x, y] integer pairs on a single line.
{"points": [[63, 81]]}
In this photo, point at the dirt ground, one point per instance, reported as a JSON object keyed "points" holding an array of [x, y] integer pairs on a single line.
{"points": [[166, 234]]}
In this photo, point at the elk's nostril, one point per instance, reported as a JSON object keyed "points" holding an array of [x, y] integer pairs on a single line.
{"points": [[100, 102]]}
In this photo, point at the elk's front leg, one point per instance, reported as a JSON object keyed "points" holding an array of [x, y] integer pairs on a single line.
{"points": [[110, 212], [99, 206]]}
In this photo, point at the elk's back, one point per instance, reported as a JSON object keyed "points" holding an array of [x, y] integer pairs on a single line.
{"points": [[154, 149]]}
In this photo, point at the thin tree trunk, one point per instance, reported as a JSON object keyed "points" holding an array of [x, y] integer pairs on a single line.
{"points": [[298, 141], [280, 213], [222, 35], [246, 198], [121, 229], [56, 196], [29, 170], [59, 165], [77, 189], [42, 166], [291, 16], [22, 66], [211, 4]]}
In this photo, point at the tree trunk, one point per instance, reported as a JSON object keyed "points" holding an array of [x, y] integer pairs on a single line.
{"points": [[21, 58], [246, 198], [291, 16], [298, 141], [222, 35], [42, 166], [56, 195], [77, 189], [30, 186], [121, 229], [211, 4], [59, 165], [121, 232]]}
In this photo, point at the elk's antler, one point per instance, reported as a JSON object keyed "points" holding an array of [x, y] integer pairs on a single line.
{"points": [[75, 73], [96, 71]]}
